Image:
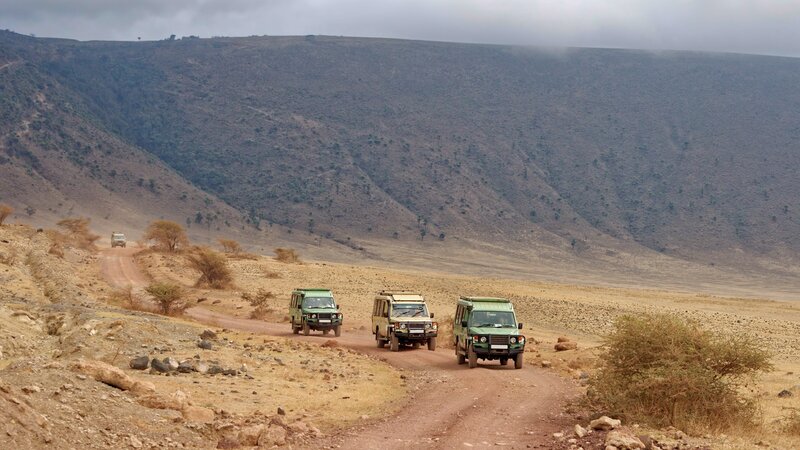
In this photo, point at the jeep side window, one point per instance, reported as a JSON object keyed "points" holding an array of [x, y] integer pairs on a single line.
{"points": [[385, 312]]}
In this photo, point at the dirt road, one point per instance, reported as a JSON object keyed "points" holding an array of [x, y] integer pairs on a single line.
{"points": [[489, 406]]}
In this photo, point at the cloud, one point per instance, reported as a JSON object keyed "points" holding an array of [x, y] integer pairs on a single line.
{"points": [[749, 26]]}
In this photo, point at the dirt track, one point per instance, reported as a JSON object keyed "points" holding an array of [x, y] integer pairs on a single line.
{"points": [[488, 406]]}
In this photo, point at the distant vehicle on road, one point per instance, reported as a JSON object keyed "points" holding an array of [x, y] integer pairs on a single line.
{"points": [[314, 309], [402, 318], [118, 240], [487, 328]]}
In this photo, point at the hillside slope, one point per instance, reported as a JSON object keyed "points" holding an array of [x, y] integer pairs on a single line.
{"points": [[689, 155]]}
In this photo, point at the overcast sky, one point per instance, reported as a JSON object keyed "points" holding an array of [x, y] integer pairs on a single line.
{"points": [[748, 26]]}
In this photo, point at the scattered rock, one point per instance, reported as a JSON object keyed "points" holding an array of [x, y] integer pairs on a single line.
{"points": [[785, 394], [330, 343], [186, 367], [201, 368], [546, 364], [281, 411], [563, 339], [623, 441], [31, 389], [214, 370], [604, 423], [205, 345], [112, 376], [249, 436], [140, 363], [580, 431], [135, 442]]}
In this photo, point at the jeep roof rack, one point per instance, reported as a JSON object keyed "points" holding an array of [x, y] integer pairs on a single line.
{"points": [[485, 299]]}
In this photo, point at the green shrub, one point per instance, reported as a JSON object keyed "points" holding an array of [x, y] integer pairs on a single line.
{"points": [[168, 297], [661, 370]]}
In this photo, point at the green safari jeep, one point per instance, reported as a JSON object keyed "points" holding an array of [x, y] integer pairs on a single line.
{"points": [[487, 328], [314, 309]]}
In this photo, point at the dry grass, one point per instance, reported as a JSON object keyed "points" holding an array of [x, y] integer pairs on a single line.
{"points": [[213, 268], [664, 371], [261, 301], [230, 246], [127, 298], [286, 255], [78, 231]]}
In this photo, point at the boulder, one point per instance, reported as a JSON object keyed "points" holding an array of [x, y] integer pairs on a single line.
{"points": [[140, 363], [604, 423], [272, 436], [112, 376], [785, 394], [623, 440], [563, 339], [208, 334], [198, 414], [564, 346], [205, 344], [185, 367], [248, 436], [580, 431], [159, 366], [172, 363]]}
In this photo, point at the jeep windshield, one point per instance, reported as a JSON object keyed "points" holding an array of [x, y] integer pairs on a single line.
{"points": [[496, 319], [318, 302], [409, 310]]}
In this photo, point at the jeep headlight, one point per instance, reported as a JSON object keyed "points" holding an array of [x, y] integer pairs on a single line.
{"points": [[402, 325], [513, 340], [427, 326], [313, 316], [521, 339], [483, 339]]}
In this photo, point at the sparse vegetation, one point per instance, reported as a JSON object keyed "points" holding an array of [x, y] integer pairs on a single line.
{"points": [[261, 302], [286, 255], [5, 211], [230, 246], [168, 296], [213, 268], [661, 370], [167, 235], [79, 233]]}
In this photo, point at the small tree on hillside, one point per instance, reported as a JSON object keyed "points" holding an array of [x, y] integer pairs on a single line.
{"points": [[213, 268], [230, 246], [168, 296], [5, 211], [166, 234], [287, 255]]}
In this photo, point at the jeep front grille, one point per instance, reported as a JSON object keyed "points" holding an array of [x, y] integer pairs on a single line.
{"points": [[416, 326], [498, 340], [324, 315]]}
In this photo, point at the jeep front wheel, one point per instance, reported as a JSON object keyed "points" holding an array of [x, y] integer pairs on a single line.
{"points": [[472, 357], [432, 344], [394, 344], [306, 329], [337, 331], [518, 361]]}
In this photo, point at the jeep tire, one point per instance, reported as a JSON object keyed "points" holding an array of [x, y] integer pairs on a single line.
{"points": [[472, 357], [337, 331], [415, 345], [518, 361], [432, 343], [306, 329], [295, 328], [394, 343]]}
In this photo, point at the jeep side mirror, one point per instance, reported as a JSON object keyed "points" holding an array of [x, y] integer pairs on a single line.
{"points": [[464, 323], [431, 315], [337, 306], [519, 325]]}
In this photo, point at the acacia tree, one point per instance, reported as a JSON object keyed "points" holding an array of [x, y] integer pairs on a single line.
{"points": [[230, 246], [166, 234]]}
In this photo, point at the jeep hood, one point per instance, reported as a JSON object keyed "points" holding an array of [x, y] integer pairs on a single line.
{"points": [[496, 331], [319, 310]]}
